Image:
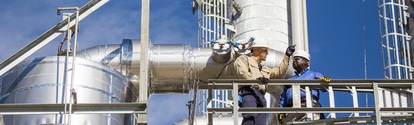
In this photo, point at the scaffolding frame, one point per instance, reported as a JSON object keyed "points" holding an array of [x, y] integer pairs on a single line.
{"points": [[212, 21], [395, 40]]}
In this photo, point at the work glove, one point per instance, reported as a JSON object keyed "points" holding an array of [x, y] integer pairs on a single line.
{"points": [[281, 116], [290, 50], [325, 79], [263, 80]]}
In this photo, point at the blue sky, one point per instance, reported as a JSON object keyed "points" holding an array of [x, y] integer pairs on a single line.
{"points": [[337, 38]]}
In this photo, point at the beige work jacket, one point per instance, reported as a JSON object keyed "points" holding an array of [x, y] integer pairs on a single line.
{"points": [[247, 67]]}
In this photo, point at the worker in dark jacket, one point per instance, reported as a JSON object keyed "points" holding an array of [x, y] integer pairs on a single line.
{"points": [[249, 67]]}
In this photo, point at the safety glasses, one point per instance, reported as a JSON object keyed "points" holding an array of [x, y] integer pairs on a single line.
{"points": [[298, 58]]}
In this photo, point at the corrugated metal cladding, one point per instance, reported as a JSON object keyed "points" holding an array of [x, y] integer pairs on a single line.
{"points": [[42, 81]]}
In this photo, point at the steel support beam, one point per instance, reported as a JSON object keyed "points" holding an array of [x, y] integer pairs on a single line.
{"points": [[143, 79], [48, 36], [89, 108]]}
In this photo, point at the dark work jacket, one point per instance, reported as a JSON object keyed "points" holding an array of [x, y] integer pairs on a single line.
{"points": [[253, 98]]}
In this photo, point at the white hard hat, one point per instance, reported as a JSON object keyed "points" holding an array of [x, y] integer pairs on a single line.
{"points": [[260, 42], [301, 53]]}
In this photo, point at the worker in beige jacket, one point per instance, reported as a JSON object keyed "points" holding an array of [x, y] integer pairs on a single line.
{"points": [[249, 67]]}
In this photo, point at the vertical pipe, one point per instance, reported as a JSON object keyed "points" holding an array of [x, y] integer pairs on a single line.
{"points": [[407, 52], [412, 93], [297, 24], [65, 120], [215, 19], [381, 100], [377, 107], [223, 17], [235, 103], [396, 46], [73, 65], [200, 27], [296, 95], [309, 100], [331, 101], [387, 60], [193, 104], [411, 69], [208, 24], [355, 99], [143, 80], [111, 83], [209, 101], [403, 54], [305, 26], [215, 102]]}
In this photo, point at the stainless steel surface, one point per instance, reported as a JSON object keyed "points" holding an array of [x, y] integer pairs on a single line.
{"points": [[42, 81], [173, 67], [222, 55], [299, 24], [268, 19], [170, 68], [105, 54]]}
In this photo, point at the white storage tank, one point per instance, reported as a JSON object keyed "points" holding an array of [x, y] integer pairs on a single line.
{"points": [[42, 81]]}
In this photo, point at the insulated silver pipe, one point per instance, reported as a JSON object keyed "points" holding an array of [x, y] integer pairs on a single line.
{"points": [[299, 24], [173, 67], [169, 65]]}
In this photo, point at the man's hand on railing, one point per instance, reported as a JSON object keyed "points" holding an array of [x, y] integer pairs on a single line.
{"points": [[263, 80], [325, 79]]}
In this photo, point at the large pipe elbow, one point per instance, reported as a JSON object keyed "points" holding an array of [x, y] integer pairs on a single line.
{"points": [[221, 51], [173, 67]]}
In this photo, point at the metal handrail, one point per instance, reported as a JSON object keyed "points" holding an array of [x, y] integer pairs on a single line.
{"points": [[80, 108], [374, 85]]}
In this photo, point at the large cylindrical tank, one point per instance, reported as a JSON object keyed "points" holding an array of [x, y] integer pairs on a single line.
{"points": [[42, 81], [270, 20], [265, 19]]}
